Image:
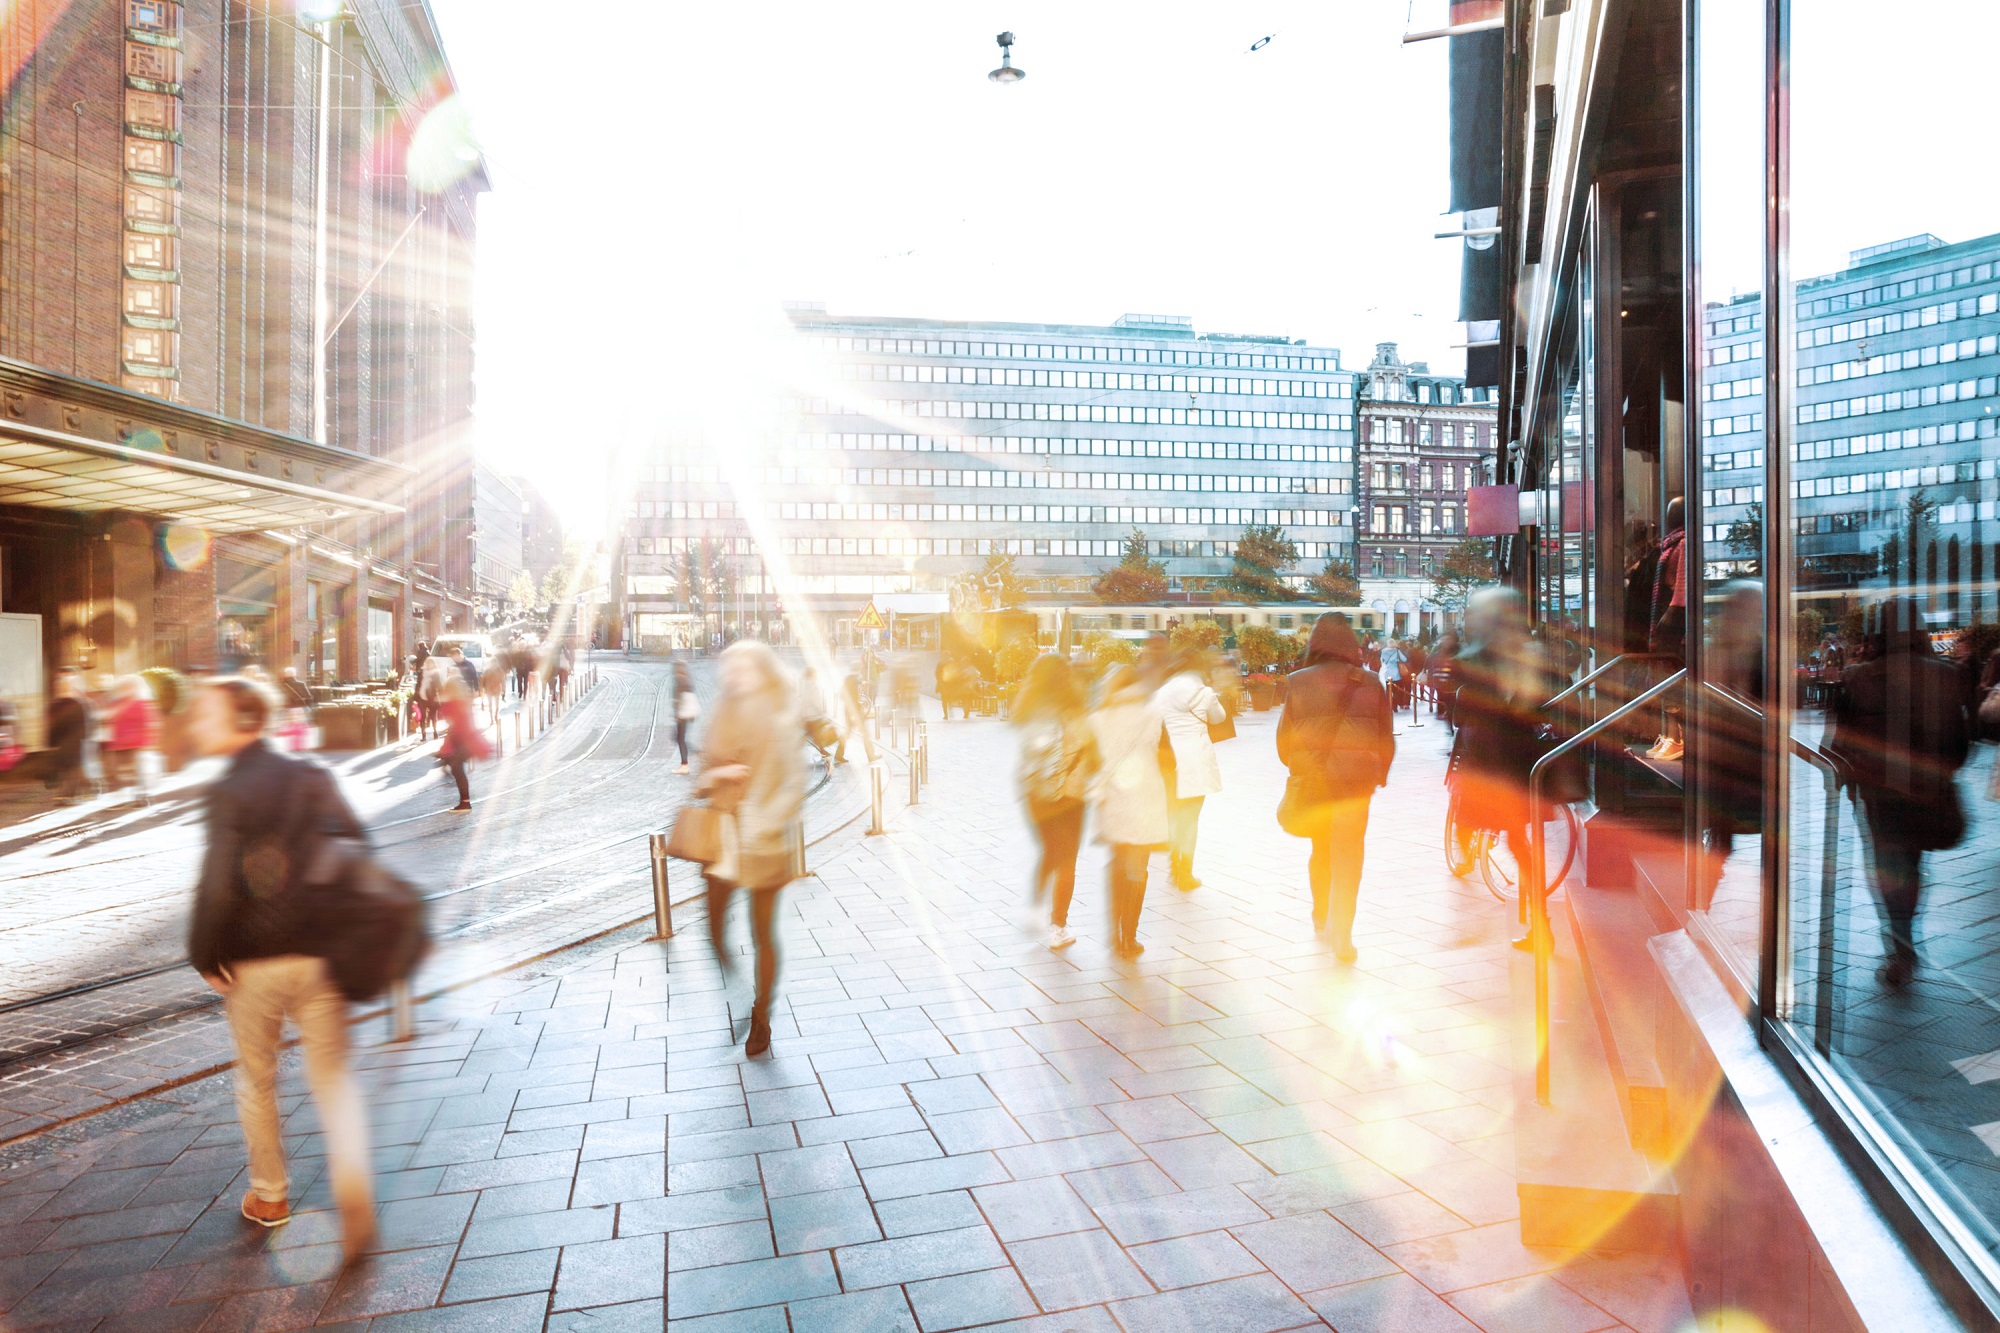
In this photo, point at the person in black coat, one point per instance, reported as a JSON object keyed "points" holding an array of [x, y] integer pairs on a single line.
{"points": [[72, 724], [1901, 728], [254, 939], [1337, 736]]}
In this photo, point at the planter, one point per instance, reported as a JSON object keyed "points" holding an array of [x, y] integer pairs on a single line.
{"points": [[1262, 695], [350, 727]]}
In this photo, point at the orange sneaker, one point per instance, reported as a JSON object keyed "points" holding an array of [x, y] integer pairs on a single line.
{"points": [[266, 1213]]}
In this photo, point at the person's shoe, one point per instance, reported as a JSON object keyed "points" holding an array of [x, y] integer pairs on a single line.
{"points": [[1672, 753], [1525, 943], [357, 1231], [1128, 948], [264, 1212], [461, 808], [760, 1037], [681, 768], [1060, 938], [1653, 750], [1344, 951], [1896, 973], [1319, 924]]}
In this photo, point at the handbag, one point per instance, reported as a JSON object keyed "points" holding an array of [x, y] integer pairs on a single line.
{"points": [[370, 919], [696, 835], [1224, 730], [1302, 809]]}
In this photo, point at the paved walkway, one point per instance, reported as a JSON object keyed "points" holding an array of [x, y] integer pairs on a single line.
{"points": [[955, 1128]]}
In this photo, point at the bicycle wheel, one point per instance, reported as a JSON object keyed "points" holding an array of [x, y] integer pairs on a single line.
{"points": [[1461, 846], [1501, 870]]}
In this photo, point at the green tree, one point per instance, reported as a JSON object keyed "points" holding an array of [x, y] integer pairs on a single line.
{"points": [[521, 592], [1107, 650], [1263, 553], [1195, 635], [1465, 568], [1011, 663], [1262, 647], [1746, 535], [1136, 580], [1336, 584]]}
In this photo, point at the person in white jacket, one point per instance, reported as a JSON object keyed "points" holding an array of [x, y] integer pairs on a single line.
{"points": [[1188, 704], [1128, 796]]}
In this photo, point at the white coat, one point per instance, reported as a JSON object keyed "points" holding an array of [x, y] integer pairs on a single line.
{"points": [[1129, 794], [1188, 705]]}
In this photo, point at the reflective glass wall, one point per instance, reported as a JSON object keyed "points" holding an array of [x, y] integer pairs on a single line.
{"points": [[1884, 541]]}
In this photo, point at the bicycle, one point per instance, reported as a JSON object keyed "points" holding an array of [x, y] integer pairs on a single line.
{"points": [[1498, 863]]}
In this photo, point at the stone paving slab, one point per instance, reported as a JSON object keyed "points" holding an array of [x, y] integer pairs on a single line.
{"points": [[955, 1128]]}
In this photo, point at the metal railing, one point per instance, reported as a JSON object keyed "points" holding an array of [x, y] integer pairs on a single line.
{"points": [[1833, 776], [1568, 690], [1537, 893]]}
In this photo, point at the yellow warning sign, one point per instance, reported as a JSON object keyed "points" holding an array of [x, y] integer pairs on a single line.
{"points": [[870, 618]]}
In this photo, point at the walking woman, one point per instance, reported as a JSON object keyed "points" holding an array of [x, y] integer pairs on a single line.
{"points": [[753, 771], [1188, 705], [1502, 681], [72, 725], [1337, 736], [686, 709], [1058, 759], [1902, 728], [463, 740], [132, 728], [1129, 796]]}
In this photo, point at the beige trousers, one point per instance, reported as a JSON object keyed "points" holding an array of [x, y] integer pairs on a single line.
{"points": [[265, 991]]}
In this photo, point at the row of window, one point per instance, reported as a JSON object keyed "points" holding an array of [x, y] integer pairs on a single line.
{"points": [[1096, 379], [1394, 520], [1394, 430], [1895, 291], [1964, 349], [1108, 414], [659, 585], [1013, 351], [1721, 328], [1896, 479], [1721, 356], [1930, 396], [1395, 476], [1950, 433], [835, 511], [1895, 520], [1725, 462], [1828, 334], [698, 473]]}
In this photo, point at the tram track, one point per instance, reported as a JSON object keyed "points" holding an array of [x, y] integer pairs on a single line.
{"points": [[192, 998]]}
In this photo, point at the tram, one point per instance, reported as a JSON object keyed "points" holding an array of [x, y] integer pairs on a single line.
{"points": [[1138, 622]]}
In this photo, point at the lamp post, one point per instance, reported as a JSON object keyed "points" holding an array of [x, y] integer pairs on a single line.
{"points": [[1007, 73]]}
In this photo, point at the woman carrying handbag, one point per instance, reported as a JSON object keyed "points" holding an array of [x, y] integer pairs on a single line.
{"points": [[1189, 707], [753, 778]]}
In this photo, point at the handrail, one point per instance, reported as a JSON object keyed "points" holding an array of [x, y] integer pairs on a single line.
{"points": [[1538, 916], [1565, 693], [1834, 774]]}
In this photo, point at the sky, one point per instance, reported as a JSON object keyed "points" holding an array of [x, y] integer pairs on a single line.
{"points": [[664, 178]]}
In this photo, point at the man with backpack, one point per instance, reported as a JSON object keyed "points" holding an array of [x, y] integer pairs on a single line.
{"points": [[1337, 736], [258, 934]]}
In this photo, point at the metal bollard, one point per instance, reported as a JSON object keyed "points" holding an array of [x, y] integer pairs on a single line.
{"points": [[924, 738], [796, 837], [402, 1015], [916, 771], [663, 907], [875, 782], [517, 728]]}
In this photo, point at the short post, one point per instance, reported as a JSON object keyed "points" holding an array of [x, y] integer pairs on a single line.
{"points": [[402, 1015], [875, 781], [916, 770], [797, 840], [924, 739], [663, 907], [517, 728]]}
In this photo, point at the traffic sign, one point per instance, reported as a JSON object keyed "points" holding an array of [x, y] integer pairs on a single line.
{"points": [[870, 618]]}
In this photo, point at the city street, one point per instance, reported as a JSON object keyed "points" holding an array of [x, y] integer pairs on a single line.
{"points": [[548, 856], [955, 1127]]}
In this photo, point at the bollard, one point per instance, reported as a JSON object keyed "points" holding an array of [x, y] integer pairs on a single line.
{"points": [[402, 1018], [797, 839], [875, 780], [924, 737], [517, 728], [916, 771], [663, 907]]}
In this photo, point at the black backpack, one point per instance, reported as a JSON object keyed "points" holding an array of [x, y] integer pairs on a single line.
{"points": [[366, 921]]}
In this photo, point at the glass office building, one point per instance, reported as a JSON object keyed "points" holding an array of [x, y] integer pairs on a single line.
{"points": [[906, 453], [1749, 285]]}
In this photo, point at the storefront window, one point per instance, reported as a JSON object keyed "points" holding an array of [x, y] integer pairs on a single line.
{"points": [[1723, 548], [1887, 342]]}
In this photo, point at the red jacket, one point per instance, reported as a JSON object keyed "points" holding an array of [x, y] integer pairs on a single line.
{"points": [[462, 737], [133, 725]]}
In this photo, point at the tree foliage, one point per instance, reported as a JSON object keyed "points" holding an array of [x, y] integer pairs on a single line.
{"points": [[1136, 580], [1011, 663], [1466, 568], [521, 592], [1263, 554], [1262, 647], [1336, 584], [1195, 635], [1746, 535], [1108, 650]]}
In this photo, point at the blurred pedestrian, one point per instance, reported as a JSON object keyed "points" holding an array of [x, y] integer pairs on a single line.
{"points": [[1901, 727], [852, 719], [72, 728], [565, 665], [686, 709], [131, 733], [464, 741], [1443, 665], [1129, 796], [1392, 660], [467, 672], [1502, 682], [251, 939], [1189, 706], [753, 773], [1337, 738], [433, 671], [1058, 760]]}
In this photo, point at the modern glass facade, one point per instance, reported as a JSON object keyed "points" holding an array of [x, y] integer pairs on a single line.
{"points": [[908, 452], [1753, 299]]}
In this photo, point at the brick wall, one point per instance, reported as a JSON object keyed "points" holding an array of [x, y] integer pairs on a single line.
{"points": [[184, 611]]}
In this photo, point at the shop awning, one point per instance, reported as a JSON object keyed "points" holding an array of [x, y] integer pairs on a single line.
{"points": [[75, 445]]}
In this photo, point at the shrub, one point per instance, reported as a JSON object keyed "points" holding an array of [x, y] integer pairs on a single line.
{"points": [[1195, 634], [1106, 651], [1011, 663], [1262, 647]]}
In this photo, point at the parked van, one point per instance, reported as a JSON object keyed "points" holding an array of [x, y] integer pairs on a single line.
{"points": [[478, 649]]}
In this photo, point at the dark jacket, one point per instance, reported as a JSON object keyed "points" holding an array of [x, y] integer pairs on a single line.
{"points": [[268, 816], [1333, 689], [1901, 727], [1498, 741], [70, 721]]}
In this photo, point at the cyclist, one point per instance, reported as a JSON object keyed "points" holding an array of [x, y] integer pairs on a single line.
{"points": [[1501, 680]]}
